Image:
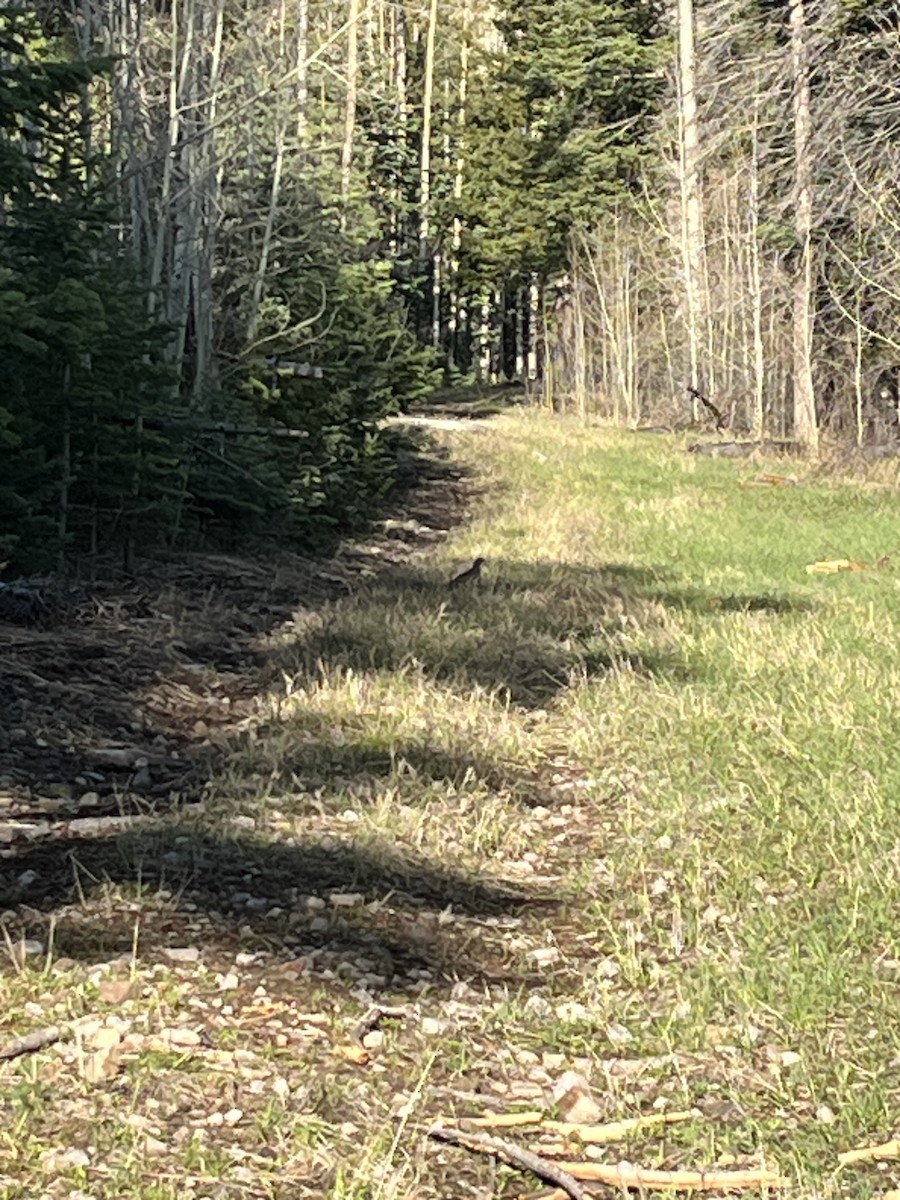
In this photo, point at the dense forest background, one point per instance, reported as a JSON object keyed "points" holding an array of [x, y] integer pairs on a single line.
{"points": [[233, 237]]}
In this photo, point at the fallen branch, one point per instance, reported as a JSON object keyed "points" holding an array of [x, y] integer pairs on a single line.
{"points": [[870, 1153], [29, 1043], [507, 1120], [624, 1175], [716, 414], [513, 1155]]}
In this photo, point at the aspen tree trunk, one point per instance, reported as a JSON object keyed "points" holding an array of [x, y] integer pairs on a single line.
{"points": [[859, 398], [183, 204], [350, 105], [691, 204], [425, 159], [548, 376], [173, 125], [262, 265], [534, 319], [579, 349], [398, 31], [759, 362], [266, 248], [629, 336], [208, 187], [805, 426], [457, 303], [302, 90]]}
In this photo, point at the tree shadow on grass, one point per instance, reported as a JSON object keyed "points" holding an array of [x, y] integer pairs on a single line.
{"points": [[524, 633], [185, 886], [709, 602]]}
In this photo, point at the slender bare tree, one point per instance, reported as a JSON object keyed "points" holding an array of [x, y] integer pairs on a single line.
{"points": [[352, 78], [805, 424], [692, 248]]}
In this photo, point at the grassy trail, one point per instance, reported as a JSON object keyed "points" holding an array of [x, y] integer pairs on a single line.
{"points": [[631, 806]]}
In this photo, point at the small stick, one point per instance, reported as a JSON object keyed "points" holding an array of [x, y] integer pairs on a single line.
{"points": [[616, 1131], [507, 1120], [867, 1153], [624, 1175], [516, 1157], [29, 1043]]}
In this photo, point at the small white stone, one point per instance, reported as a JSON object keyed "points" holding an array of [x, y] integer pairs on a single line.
{"points": [[182, 954], [62, 1159], [433, 1026], [544, 955]]}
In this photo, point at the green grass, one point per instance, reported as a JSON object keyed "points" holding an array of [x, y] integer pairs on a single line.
{"points": [[632, 805]]}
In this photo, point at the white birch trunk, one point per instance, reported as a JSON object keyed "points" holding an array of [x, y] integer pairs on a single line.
{"points": [[805, 425]]}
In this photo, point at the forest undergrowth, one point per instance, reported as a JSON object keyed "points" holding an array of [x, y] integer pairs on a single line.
{"points": [[374, 855]]}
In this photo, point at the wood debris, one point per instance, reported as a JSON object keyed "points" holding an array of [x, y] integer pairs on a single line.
{"points": [[512, 1154], [30, 1043], [626, 1175], [568, 1175], [870, 1153], [616, 1131], [831, 566], [507, 1120]]}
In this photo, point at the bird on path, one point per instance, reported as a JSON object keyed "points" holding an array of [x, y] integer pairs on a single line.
{"points": [[469, 575]]}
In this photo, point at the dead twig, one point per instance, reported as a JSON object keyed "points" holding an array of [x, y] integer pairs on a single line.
{"points": [[870, 1153], [624, 1175], [513, 1155], [507, 1120], [29, 1043], [616, 1131]]}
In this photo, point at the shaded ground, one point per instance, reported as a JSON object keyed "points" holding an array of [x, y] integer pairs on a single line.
{"points": [[125, 693]]}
